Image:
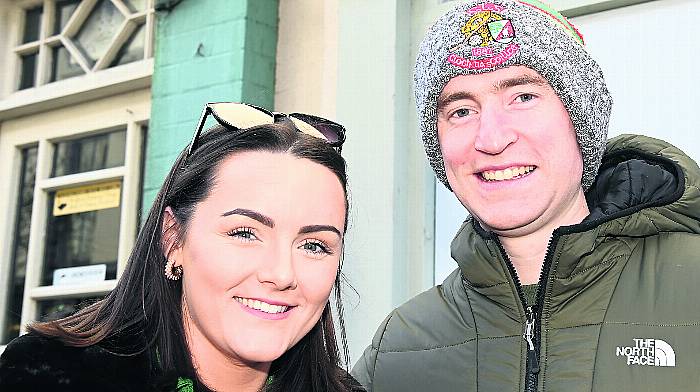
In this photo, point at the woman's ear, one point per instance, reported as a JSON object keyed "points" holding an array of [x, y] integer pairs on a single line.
{"points": [[170, 237]]}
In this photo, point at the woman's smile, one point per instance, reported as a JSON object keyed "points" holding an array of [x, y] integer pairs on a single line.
{"points": [[264, 309]]}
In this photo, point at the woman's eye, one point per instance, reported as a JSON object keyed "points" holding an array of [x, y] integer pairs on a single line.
{"points": [[525, 97], [315, 247], [243, 233]]}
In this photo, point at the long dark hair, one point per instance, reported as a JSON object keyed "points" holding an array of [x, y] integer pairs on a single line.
{"points": [[144, 303]]}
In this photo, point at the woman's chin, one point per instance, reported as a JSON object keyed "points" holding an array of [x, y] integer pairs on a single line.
{"points": [[252, 352]]}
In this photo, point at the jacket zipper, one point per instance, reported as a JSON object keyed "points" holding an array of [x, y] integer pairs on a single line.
{"points": [[533, 315], [533, 356]]}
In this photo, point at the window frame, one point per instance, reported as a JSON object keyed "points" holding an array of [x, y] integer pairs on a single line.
{"points": [[130, 111], [99, 80]]}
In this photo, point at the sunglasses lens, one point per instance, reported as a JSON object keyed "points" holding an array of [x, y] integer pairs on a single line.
{"points": [[330, 131], [240, 115]]}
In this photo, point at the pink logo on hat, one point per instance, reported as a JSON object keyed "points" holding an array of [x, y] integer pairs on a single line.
{"points": [[488, 62], [485, 7], [485, 28]]}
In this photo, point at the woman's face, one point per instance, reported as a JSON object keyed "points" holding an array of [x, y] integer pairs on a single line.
{"points": [[260, 256]]}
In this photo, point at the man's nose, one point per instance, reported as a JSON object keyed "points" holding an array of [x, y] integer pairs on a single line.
{"points": [[496, 131]]}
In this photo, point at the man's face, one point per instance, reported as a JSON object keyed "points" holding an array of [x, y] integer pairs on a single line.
{"points": [[510, 150]]}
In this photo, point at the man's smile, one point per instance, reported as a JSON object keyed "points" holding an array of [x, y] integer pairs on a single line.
{"points": [[509, 173]]}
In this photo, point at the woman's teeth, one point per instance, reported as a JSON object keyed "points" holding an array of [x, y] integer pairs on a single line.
{"points": [[261, 306], [506, 174]]}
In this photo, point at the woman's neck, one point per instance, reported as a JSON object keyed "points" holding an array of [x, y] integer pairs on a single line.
{"points": [[219, 371]]}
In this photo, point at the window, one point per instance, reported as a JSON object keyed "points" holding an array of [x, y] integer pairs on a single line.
{"points": [[83, 221], [61, 39], [16, 275], [72, 204]]}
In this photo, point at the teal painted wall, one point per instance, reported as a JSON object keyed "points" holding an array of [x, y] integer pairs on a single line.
{"points": [[206, 51]]}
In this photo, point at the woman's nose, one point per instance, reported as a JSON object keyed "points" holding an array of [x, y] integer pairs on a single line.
{"points": [[279, 271]]}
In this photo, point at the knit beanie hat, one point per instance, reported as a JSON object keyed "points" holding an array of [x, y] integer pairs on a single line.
{"points": [[481, 36]]}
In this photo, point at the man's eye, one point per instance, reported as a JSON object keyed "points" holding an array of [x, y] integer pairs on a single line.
{"points": [[525, 97], [461, 112]]}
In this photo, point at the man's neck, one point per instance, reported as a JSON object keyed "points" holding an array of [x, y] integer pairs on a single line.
{"points": [[527, 252]]}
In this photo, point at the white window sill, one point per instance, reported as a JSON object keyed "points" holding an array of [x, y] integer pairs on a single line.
{"points": [[79, 89], [72, 291]]}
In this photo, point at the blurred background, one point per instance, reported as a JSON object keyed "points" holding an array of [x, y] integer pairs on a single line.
{"points": [[97, 97]]}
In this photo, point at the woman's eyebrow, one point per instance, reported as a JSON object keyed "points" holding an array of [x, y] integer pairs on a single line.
{"points": [[315, 228], [265, 220]]}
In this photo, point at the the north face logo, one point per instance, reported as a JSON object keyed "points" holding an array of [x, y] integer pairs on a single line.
{"points": [[648, 352]]}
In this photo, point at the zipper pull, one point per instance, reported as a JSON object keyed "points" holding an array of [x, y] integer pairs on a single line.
{"points": [[533, 360]]}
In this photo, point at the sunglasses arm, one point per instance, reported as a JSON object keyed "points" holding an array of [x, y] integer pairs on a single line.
{"points": [[200, 125]]}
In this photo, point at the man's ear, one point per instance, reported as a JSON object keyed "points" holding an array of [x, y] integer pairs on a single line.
{"points": [[170, 237]]}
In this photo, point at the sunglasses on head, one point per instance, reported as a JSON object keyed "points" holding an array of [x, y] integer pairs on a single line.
{"points": [[242, 115]]}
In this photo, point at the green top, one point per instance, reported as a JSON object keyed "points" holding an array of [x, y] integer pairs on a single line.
{"points": [[530, 292], [185, 384]]}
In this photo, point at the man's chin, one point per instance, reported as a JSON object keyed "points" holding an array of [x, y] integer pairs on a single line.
{"points": [[508, 227]]}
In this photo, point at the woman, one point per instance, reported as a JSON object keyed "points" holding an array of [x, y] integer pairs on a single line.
{"points": [[228, 286]]}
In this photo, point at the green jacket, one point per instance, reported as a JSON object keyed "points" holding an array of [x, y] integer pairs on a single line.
{"points": [[618, 307]]}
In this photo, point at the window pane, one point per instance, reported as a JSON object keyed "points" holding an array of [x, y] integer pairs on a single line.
{"points": [[136, 5], [64, 10], [89, 153], [132, 49], [54, 309], [81, 239], [97, 32], [28, 71], [63, 65], [32, 24], [21, 244]]}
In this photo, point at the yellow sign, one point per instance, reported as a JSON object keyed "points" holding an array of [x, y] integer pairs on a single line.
{"points": [[87, 198]]}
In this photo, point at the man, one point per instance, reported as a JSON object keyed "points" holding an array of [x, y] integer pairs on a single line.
{"points": [[577, 265]]}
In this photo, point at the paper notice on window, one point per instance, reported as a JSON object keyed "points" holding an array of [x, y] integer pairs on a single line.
{"points": [[79, 275], [87, 198]]}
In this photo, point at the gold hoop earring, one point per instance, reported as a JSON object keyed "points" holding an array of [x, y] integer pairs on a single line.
{"points": [[172, 271]]}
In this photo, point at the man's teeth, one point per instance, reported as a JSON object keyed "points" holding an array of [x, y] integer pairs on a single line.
{"points": [[506, 174], [261, 306]]}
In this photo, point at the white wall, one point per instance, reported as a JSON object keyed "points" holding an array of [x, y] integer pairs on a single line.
{"points": [[649, 55], [389, 245], [307, 57]]}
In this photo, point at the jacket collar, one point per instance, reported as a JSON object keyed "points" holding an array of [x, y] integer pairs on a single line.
{"points": [[637, 174]]}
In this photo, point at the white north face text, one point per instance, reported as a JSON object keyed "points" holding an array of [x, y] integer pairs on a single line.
{"points": [[648, 352]]}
